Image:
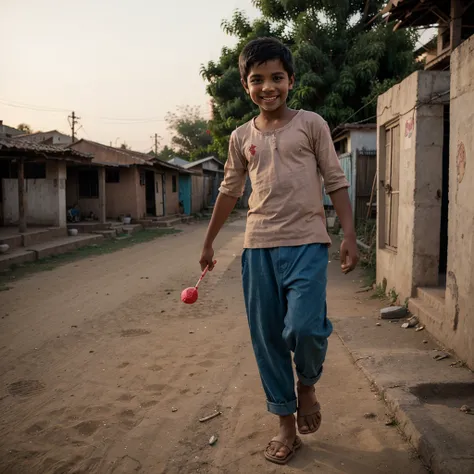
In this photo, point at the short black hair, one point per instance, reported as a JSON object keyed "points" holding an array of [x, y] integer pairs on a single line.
{"points": [[261, 50]]}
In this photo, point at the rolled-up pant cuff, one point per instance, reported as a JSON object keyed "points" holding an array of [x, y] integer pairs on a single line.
{"points": [[282, 409], [309, 381]]}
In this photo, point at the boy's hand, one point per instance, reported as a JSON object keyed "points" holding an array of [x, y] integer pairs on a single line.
{"points": [[207, 258], [349, 254]]}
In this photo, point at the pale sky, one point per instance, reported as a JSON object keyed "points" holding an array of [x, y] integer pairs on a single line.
{"points": [[108, 60]]}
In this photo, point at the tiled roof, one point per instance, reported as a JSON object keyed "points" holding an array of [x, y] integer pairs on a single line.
{"points": [[130, 157], [15, 146], [26, 135]]}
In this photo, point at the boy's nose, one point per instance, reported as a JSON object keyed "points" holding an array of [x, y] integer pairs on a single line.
{"points": [[267, 87]]}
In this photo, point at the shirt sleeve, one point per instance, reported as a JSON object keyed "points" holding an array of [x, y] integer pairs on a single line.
{"points": [[328, 161], [235, 170]]}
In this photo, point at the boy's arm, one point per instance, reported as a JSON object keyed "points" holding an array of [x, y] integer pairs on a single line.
{"points": [[336, 186], [232, 187], [222, 209], [342, 204]]}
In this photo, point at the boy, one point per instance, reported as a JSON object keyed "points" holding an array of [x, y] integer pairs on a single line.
{"points": [[285, 256]]}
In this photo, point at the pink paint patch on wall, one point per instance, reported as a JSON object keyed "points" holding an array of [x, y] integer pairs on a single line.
{"points": [[461, 161], [409, 127]]}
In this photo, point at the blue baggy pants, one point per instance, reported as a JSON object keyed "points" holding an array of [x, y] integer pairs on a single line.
{"points": [[285, 298]]}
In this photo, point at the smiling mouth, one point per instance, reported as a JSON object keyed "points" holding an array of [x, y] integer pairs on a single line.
{"points": [[270, 99]]}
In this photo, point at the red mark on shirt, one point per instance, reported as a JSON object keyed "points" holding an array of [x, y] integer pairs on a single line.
{"points": [[253, 149]]}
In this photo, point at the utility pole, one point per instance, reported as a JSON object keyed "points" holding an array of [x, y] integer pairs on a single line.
{"points": [[157, 142], [74, 121]]}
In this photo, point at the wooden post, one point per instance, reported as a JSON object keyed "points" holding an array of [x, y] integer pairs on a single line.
{"points": [[21, 195], [102, 196], [369, 210], [456, 24]]}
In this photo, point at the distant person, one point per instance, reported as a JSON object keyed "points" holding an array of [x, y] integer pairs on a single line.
{"points": [[285, 152]]}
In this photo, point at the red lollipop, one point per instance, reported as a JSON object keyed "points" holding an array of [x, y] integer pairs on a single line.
{"points": [[190, 295]]}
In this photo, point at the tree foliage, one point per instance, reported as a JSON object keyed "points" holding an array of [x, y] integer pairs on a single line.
{"points": [[191, 135], [166, 153], [343, 60], [25, 128]]}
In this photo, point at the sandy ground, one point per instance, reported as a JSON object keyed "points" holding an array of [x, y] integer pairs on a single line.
{"points": [[104, 371]]}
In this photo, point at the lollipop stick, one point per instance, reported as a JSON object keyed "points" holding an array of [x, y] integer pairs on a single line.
{"points": [[203, 274]]}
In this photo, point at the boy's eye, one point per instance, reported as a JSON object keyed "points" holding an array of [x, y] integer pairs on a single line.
{"points": [[255, 81], [278, 78]]}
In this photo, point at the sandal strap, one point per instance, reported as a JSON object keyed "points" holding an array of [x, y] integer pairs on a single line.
{"points": [[314, 410], [281, 445]]}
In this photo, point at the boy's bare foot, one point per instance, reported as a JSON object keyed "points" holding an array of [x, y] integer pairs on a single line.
{"points": [[280, 444], [309, 410]]}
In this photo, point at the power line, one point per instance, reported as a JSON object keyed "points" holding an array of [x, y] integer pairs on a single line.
{"points": [[355, 113], [113, 120], [37, 108]]}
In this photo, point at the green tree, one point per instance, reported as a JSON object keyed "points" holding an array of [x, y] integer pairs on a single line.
{"points": [[166, 153], [343, 60], [25, 128], [191, 135]]}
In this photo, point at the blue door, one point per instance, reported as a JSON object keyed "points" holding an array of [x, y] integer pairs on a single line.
{"points": [[185, 192]]}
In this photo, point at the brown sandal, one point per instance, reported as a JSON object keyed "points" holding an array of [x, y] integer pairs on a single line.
{"points": [[302, 414], [291, 451]]}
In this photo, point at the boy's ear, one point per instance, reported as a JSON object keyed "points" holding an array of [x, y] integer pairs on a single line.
{"points": [[245, 85], [291, 82]]}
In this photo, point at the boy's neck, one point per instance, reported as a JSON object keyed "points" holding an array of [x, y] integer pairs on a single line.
{"points": [[274, 119]]}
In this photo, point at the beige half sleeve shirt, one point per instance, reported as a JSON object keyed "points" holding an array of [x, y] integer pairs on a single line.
{"points": [[286, 168]]}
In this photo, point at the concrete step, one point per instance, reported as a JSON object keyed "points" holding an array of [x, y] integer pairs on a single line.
{"points": [[132, 228], [108, 234], [433, 297], [14, 241], [60, 246], [88, 227], [148, 223], [169, 222], [427, 315], [16, 257], [40, 236], [33, 237], [166, 218], [117, 226]]}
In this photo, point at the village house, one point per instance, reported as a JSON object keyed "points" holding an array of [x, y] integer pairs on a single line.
{"points": [[201, 190], [355, 145], [53, 137], [33, 221], [33, 183], [426, 179], [351, 137], [124, 183], [8, 132]]}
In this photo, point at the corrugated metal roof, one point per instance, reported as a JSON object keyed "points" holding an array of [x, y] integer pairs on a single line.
{"points": [[191, 164], [178, 161], [341, 129]]}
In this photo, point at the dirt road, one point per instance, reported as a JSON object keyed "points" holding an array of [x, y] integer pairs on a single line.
{"points": [[104, 371]]}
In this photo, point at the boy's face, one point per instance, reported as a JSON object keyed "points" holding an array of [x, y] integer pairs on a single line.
{"points": [[268, 85]]}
